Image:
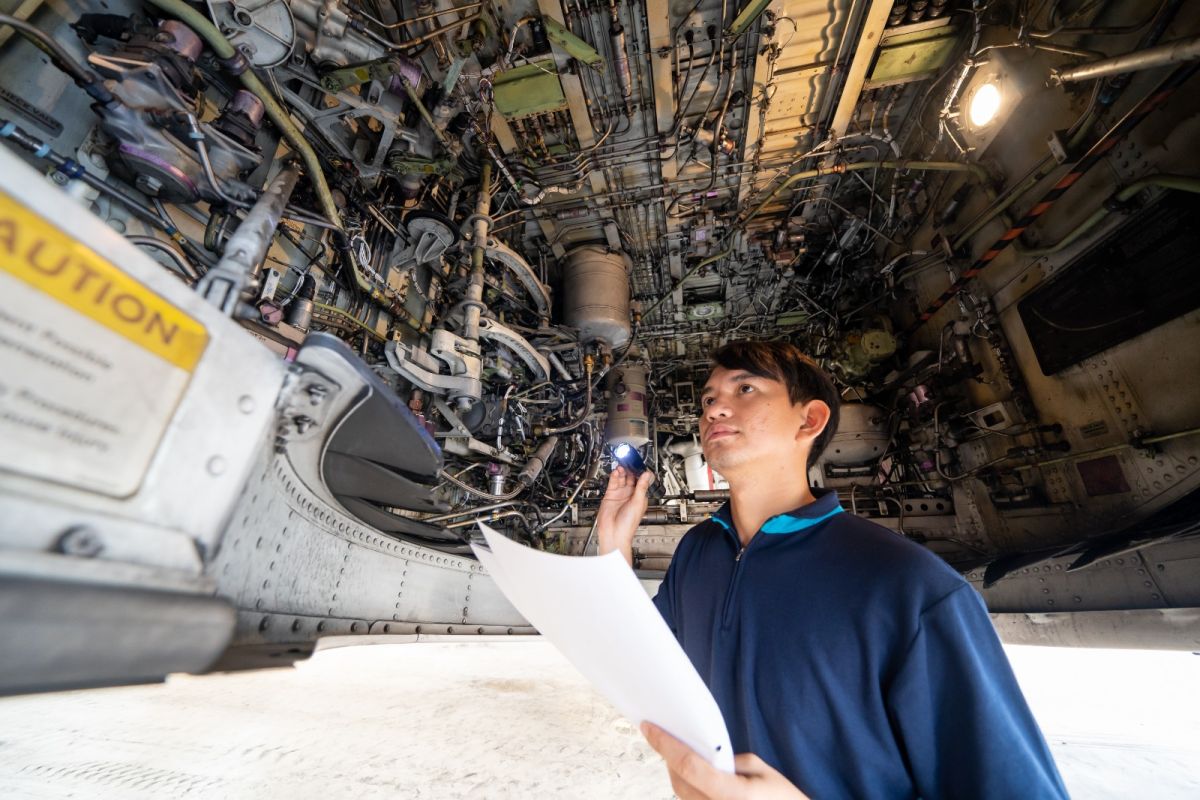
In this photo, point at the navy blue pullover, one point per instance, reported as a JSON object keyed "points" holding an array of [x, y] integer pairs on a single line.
{"points": [[854, 661]]}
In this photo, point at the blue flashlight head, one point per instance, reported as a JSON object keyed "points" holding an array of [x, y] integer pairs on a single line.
{"points": [[628, 457]]}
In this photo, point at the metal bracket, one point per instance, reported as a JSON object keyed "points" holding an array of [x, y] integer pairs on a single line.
{"points": [[494, 331], [460, 442], [424, 369], [571, 44], [304, 405]]}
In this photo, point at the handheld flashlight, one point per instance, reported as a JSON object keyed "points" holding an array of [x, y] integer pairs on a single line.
{"points": [[628, 457]]}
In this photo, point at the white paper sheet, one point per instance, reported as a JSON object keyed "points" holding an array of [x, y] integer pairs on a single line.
{"points": [[595, 611]]}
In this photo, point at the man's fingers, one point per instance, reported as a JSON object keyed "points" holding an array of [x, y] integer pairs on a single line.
{"points": [[643, 483], [684, 790], [688, 765], [749, 764], [616, 479]]}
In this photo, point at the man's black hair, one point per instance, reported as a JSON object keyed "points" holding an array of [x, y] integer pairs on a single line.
{"points": [[784, 362]]}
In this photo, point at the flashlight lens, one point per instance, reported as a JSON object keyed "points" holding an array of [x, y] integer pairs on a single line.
{"points": [[985, 104], [622, 451]]}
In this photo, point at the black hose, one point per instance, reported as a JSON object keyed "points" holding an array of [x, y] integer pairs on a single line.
{"points": [[583, 415]]}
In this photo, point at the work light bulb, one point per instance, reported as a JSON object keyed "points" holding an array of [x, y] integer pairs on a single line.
{"points": [[985, 105], [622, 450]]}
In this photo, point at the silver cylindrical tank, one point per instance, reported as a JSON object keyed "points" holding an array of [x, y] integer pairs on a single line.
{"points": [[596, 294], [627, 404]]}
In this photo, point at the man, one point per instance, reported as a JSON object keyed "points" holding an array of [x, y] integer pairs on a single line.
{"points": [[848, 660]]}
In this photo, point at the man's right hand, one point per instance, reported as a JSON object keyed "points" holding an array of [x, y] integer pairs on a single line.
{"points": [[621, 511]]}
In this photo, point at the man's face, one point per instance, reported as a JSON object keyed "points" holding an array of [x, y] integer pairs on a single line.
{"points": [[746, 419]]}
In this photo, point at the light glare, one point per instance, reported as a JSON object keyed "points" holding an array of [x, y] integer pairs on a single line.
{"points": [[985, 104], [622, 450]]}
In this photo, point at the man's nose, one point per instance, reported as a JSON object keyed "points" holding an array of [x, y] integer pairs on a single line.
{"points": [[717, 409]]}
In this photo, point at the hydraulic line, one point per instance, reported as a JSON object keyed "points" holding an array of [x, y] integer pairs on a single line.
{"points": [[421, 18], [937, 166], [176, 257], [1111, 139], [1169, 53], [343, 313], [492, 517], [76, 171], [1105, 94], [526, 478], [583, 414], [197, 136], [414, 42], [236, 63]]}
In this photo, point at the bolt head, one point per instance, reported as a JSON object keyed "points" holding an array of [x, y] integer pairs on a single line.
{"points": [[82, 541]]}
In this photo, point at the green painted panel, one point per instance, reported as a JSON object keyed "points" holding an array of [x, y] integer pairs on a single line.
{"points": [[907, 61], [571, 44], [528, 89]]}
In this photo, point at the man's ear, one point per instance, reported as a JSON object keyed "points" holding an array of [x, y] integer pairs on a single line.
{"points": [[816, 417]]}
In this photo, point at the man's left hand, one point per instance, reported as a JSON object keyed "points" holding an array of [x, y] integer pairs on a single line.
{"points": [[693, 778]]}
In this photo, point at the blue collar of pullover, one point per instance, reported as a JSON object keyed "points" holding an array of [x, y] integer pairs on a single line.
{"points": [[825, 506]]}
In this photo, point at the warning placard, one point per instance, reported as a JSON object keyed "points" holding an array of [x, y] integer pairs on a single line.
{"points": [[92, 363]]}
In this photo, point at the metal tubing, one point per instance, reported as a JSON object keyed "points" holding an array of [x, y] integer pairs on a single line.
{"points": [[466, 512], [10, 131], [202, 149], [176, 257], [937, 166], [494, 516], [279, 116], [411, 43], [423, 111], [59, 56], [1169, 53], [1098, 150], [343, 313], [226, 52], [413, 20]]}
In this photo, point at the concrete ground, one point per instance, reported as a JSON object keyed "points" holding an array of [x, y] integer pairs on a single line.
{"points": [[507, 719]]}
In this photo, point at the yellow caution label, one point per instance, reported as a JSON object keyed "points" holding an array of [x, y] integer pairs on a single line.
{"points": [[43, 256]]}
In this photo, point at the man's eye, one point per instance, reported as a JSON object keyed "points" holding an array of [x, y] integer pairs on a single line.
{"points": [[706, 401], [745, 387]]}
